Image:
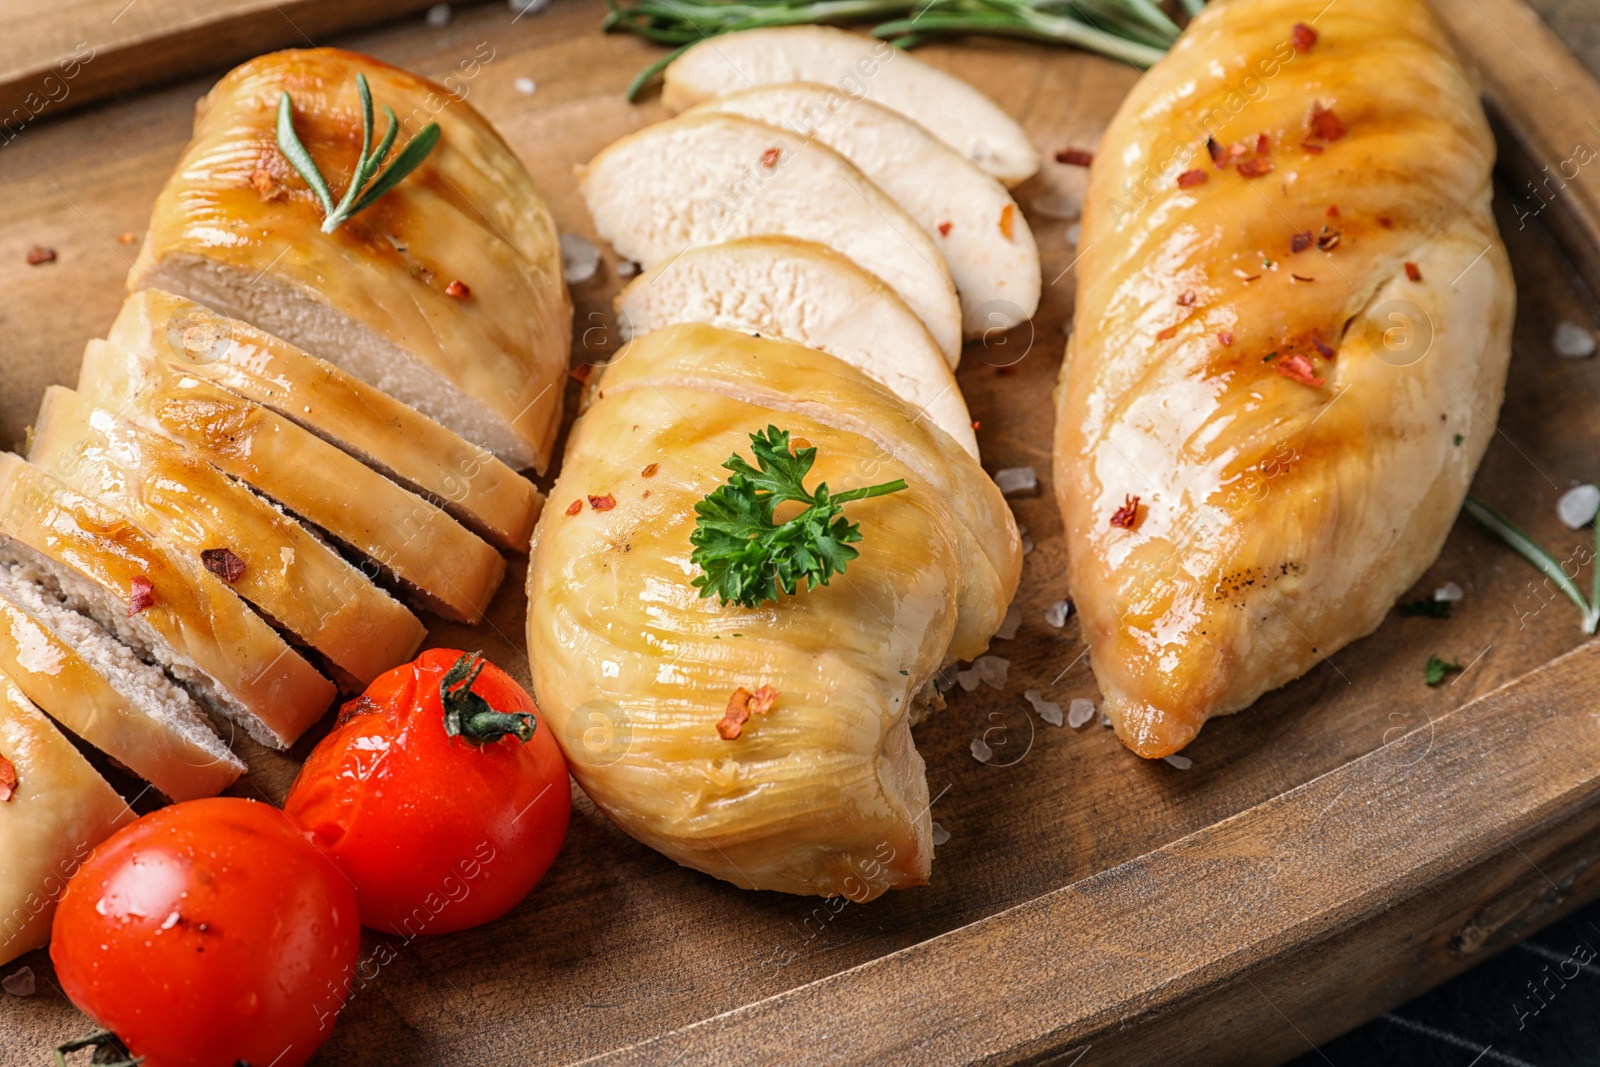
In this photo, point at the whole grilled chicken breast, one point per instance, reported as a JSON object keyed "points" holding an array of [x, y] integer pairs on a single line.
{"points": [[824, 793], [237, 229], [1290, 345]]}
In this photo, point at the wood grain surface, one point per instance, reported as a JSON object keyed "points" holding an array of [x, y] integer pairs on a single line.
{"points": [[75, 52], [1345, 843]]}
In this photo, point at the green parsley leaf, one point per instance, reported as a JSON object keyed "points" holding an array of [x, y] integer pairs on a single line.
{"points": [[1438, 668], [744, 554], [1427, 607]]}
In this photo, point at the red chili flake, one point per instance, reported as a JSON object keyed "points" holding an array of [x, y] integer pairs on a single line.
{"points": [[1325, 125], [1324, 349], [1127, 516], [1413, 271], [1300, 278], [1009, 370], [1008, 220], [1300, 241], [1263, 146], [646, 495], [141, 595], [581, 373], [650, 471], [1075, 157], [944, 228], [266, 186], [1333, 211], [8, 780], [1186, 298], [1225, 338], [1218, 158], [763, 700], [976, 425], [1386, 222], [223, 563], [39, 254], [1168, 334], [1297, 368], [1304, 37], [735, 716], [1255, 168], [1191, 178], [1314, 149], [127, 237], [769, 158], [574, 507], [603, 503], [458, 289]]}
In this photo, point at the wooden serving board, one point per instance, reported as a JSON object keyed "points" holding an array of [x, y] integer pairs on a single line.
{"points": [[1342, 845]]}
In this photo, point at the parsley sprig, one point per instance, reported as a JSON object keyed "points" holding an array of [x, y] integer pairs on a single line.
{"points": [[367, 164], [745, 555]]}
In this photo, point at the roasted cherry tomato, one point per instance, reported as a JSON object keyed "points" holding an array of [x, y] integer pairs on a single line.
{"points": [[439, 793], [209, 933]]}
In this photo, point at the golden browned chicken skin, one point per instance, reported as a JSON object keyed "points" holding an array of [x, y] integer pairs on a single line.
{"points": [[1291, 335]]}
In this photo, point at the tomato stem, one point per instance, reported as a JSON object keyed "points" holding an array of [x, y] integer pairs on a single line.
{"points": [[466, 714], [99, 1040]]}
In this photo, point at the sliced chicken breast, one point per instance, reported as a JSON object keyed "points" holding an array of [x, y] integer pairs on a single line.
{"points": [[163, 605], [182, 500], [50, 820], [858, 67], [468, 482], [94, 686], [705, 179], [446, 293], [446, 566], [800, 291], [970, 216]]}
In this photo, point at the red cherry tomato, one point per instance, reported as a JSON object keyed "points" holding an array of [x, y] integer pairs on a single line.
{"points": [[207, 933], [438, 832]]}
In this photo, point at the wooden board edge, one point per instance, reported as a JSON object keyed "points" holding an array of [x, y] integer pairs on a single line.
{"points": [[1151, 937], [212, 40]]}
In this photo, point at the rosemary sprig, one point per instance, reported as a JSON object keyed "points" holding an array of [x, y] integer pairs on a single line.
{"points": [[1135, 31], [1548, 565], [744, 554], [367, 164]]}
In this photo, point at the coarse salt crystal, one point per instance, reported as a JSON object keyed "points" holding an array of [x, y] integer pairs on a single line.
{"points": [[525, 86], [1048, 710], [1074, 232], [438, 15], [1008, 625], [1183, 763], [1578, 505], [627, 268], [1027, 544], [579, 258], [981, 750], [940, 835], [19, 983], [1058, 613], [1013, 480], [527, 7], [1080, 712], [992, 670], [1572, 341], [1105, 720], [1449, 591]]}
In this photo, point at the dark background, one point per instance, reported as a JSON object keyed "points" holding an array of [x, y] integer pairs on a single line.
{"points": [[1533, 1005]]}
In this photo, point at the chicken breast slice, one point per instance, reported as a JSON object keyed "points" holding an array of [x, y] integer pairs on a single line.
{"points": [[706, 179], [93, 685], [825, 793], [800, 291], [60, 810], [858, 67], [447, 293], [290, 576], [1296, 371], [969, 215]]}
